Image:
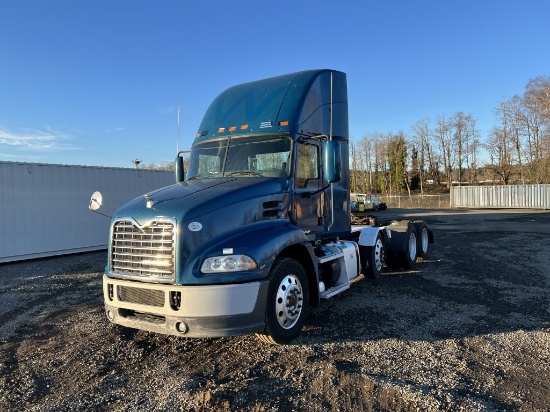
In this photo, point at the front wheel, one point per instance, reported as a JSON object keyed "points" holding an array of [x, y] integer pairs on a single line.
{"points": [[287, 302]]}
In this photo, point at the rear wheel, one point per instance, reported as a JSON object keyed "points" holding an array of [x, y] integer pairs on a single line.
{"points": [[372, 258], [406, 257], [409, 256], [287, 302], [423, 240]]}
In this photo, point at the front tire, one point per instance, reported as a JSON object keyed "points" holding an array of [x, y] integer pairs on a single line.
{"points": [[287, 302]]}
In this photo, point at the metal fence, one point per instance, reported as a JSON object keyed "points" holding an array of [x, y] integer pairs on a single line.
{"points": [[418, 201], [506, 196]]}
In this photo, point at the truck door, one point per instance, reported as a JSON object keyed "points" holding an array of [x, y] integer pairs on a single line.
{"points": [[308, 207]]}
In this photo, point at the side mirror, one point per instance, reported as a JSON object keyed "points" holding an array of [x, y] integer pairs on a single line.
{"points": [[179, 170], [332, 165], [96, 201]]}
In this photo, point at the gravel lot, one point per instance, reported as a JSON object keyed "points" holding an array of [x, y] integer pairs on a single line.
{"points": [[469, 330]]}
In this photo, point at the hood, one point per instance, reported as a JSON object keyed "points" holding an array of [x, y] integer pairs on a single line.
{"points": [[196, 197]]}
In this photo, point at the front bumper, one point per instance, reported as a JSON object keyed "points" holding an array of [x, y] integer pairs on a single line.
{"points": [[187, 311]]}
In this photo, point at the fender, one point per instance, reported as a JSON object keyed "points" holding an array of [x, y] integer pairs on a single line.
{"points": [[368, 235], [262, 241], [399, 235]]}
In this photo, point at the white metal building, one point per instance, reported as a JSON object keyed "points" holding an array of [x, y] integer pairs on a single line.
{"points": [[503, 196], [44, 208]]}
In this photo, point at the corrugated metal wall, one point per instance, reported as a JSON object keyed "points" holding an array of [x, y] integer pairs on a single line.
{"points": [[44, 208], [520, 196]]}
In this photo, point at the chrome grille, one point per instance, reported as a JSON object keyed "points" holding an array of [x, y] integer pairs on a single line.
{"points": [[146, 251]]}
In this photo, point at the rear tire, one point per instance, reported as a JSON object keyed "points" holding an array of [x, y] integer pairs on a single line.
{"points": [[372, 258], [408, 258], [423, 238], [287, 302]]}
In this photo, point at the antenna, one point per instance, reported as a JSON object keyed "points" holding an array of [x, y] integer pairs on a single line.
{"points": [[330, 138], [178, 140], [330, 129]]}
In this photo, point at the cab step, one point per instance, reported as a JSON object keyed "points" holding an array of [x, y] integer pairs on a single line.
{"points": [[334, 290]]}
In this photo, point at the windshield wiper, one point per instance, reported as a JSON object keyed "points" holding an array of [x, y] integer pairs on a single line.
{"points": [[243, 172]]}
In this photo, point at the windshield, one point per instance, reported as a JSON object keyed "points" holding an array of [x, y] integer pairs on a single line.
{"points": [[241, 156]]}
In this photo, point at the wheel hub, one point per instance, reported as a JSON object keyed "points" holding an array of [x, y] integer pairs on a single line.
{"points": [[412, 246], [289, 301]]}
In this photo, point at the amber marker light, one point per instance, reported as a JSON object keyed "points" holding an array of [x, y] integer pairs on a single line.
{"points": [[244, 126], [221, 130], [283, 123], [232, 128]]}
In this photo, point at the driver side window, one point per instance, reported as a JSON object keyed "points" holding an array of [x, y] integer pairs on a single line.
{"points": [[307, 165]]}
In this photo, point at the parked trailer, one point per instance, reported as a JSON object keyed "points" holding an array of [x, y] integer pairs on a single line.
{"points": [[258, 230]]}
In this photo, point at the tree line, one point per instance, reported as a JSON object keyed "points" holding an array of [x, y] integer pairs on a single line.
{"points": [[450, 150]]}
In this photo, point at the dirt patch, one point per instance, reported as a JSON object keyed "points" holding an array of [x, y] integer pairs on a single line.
{"points": [[468, 329]]}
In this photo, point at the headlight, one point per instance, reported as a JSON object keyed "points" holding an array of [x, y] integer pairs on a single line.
{"points": [[228, 263]]}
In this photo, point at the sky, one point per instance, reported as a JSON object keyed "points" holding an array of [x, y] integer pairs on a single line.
{"points": [[98, 83]]}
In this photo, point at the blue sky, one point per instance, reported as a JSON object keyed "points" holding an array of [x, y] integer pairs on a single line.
{"points": [[98, 82]]}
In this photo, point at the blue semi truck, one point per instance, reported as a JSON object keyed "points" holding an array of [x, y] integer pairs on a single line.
{"points": [[257, 229]]}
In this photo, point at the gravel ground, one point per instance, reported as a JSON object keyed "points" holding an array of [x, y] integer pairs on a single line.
{"points": [[468, 330]]}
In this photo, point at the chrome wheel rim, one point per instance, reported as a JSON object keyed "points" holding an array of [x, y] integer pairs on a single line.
{"points": [[412, 246], [424, 239], [289, 301]]}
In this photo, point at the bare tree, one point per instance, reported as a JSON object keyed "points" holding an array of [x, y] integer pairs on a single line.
{"points": [[421, 136], [367, 144], [397, 160], [473, 149], [444, 137], [537, 97], [464, 135], [353, 171], [381, 164], [500, 144], [536, 101]]}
